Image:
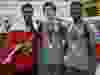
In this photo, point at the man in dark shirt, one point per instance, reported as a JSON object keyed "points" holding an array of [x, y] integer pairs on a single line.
{"points": [[28, 11]]}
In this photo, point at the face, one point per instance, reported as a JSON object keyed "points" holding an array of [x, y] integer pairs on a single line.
{"points": [[27, 10], [50, 12]]}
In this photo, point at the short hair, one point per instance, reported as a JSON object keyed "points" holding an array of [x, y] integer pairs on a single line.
{"points": [[27, 5], [50, 5]]}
